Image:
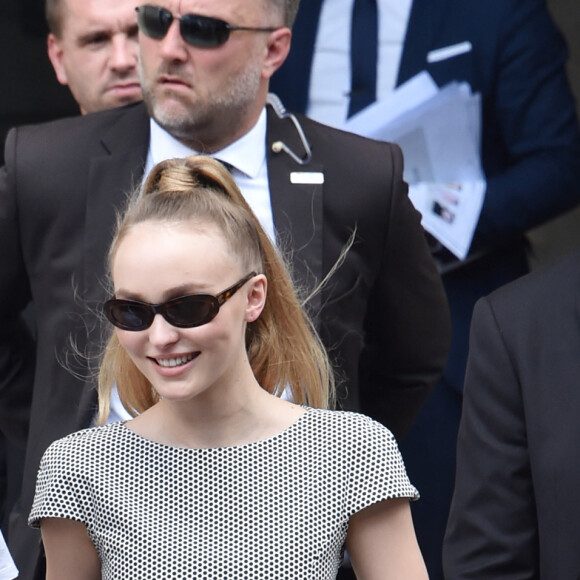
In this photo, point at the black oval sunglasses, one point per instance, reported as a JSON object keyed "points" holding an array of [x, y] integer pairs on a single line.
{"points": [[183, 312], [199, 31]]}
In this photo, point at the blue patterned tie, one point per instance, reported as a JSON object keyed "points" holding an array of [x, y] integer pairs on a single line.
{"points": [[363, 55]]}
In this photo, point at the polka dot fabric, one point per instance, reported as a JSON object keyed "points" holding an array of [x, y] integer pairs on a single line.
{"points": [[274, 509]]}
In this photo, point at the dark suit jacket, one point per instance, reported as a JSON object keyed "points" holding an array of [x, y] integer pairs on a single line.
{"points": [[530, 136], [516, 508], [382, 315]]}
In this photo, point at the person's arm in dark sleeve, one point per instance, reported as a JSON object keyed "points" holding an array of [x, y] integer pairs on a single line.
{"points": [[407, 323], [492, 528], [536, 174], [17, 347]]}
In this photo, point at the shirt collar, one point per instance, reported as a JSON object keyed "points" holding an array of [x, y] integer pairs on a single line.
{"points": [[246, 154]]}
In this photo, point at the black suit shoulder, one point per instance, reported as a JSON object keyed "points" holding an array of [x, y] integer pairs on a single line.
{"points": [[519, 433], [78, 136], [56, 157], [542, 295], [97, 120]]}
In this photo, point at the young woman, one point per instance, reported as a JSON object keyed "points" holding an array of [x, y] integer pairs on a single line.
{"points": [[217, 476]]}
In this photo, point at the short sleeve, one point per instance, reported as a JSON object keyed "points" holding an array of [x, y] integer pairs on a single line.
{"points": [[377, 471], [62, 489]]}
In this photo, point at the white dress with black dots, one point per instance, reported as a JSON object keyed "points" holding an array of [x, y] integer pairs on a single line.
{"points": [[273, 509]]}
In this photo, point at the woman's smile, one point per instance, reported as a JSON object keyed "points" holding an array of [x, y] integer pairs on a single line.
{"points": [[174, 361]]}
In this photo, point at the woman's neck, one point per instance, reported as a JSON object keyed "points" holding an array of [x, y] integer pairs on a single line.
{"points": [[239, 419]]}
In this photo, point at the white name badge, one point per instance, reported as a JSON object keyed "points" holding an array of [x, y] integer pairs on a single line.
{"points": [[307, 177]]}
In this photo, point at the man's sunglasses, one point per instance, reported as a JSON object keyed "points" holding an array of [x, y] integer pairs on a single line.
{"points": [[200, 31], [183, 312]]}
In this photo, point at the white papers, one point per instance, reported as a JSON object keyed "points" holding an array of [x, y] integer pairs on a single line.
{"points": [[376, 118], [439, 132], [449, 211]]}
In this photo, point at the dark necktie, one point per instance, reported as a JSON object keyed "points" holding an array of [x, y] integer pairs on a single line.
{"points": [[227, 165], [363, 55]]}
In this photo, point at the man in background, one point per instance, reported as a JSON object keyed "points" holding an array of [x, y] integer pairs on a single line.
{"points": [[511, 53], [206, 67], [93, 48], [516, 507]]}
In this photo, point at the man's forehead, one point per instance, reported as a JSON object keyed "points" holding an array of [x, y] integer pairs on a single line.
{"points": [[113, 14]]}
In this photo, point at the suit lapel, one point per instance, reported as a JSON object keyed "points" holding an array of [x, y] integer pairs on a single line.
{"points": [[112, 176], [425, 21], [297, 207]]}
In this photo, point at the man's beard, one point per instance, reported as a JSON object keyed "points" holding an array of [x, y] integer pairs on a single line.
{"points": [[216, 116]]}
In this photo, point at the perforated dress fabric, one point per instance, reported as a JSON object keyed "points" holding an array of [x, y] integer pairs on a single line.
{"points": [[274, 509]]}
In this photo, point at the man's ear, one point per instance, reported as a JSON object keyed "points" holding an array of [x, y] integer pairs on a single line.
{"points": [[55, 54], [278, 48], [256, 298]]}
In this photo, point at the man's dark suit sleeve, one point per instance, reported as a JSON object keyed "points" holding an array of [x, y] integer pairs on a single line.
{"points": [[491, 531], [17, 350], [531, 149], [407, 323]]}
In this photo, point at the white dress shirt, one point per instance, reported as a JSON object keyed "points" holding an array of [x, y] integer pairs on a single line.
{"points": [[247, 156], [330, 78]]}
